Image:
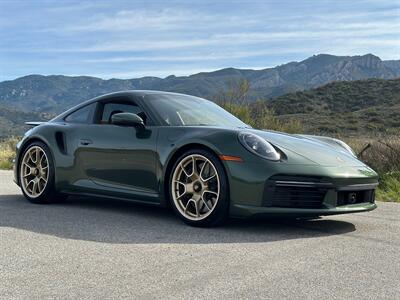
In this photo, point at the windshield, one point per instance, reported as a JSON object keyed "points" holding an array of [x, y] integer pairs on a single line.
{"points": [[182, 110]]}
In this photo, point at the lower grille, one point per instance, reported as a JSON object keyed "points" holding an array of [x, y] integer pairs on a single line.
{"points": [[299, 191], [297, 197], [295, 192]]}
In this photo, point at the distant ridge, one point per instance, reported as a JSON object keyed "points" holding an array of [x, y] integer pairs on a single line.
{"points": [[362, 107], [55, 93]]}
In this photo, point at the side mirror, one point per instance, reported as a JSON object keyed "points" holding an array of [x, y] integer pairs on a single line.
{"points": [[127, 119]]}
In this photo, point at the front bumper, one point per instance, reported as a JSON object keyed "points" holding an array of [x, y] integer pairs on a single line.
{"points": [[300, 191]]}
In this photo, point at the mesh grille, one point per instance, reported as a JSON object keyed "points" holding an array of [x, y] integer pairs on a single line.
{"points": [[297, 197]]}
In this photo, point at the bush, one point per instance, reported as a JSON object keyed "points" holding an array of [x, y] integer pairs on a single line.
{"points": [[383, 155], [261, 117], [389, 189], [7, 153]]}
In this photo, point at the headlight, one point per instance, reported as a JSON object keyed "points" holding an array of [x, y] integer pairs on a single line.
{"points": [[346, 147], [258, 146]]}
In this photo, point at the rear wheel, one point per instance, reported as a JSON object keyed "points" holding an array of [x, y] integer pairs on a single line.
{"points": [[36, 175], [198, 189]]}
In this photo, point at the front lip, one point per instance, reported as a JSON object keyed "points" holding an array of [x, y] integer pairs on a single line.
{"points": [[253, 211]]}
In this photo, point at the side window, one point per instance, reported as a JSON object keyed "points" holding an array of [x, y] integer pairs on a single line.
{"points": [[83, 115], [113, 108]]}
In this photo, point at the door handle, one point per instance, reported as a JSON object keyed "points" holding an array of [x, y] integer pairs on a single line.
{"points": [[85, 142]]}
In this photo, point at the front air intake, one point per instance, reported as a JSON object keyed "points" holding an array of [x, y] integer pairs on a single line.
{"points": [[291, 191]]}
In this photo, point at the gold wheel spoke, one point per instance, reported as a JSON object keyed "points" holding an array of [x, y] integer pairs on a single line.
{"points": [[211, 192], [27, 174], [29, 183], [38, 185], [41, 160], [197, 208], [34, 188], [27, 165], [207, 179], [187, 204], [205, 203], [37, 155], [177, 190], [201, 172], [194, 167], [43, 183], [184, 171], [31, 158]]}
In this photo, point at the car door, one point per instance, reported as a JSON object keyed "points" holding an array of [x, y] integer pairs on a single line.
{"points": [[117, 160]]}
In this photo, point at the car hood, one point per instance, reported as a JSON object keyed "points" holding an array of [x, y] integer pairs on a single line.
{"points": [[301, 149]]}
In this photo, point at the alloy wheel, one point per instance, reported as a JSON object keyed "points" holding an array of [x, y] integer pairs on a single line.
{"points": [[195, 187], [34, 171]]}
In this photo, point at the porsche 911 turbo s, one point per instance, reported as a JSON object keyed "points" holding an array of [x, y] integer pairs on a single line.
{"points": [[187, 152]]}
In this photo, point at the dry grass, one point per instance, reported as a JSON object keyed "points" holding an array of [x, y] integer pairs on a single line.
{"points": [[383, 155], [7, 153]]}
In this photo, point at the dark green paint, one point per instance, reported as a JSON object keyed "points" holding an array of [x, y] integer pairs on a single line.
{"points": [[130, 163]]}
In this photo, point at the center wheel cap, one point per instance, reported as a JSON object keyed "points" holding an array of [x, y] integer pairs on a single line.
{"points": [[197, 187]]}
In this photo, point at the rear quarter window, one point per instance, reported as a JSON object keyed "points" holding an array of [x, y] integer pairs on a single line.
{"points": [[83, 115]]}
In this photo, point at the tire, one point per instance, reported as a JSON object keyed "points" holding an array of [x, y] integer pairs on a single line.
{"points": [[201, 199], [32, 176]]}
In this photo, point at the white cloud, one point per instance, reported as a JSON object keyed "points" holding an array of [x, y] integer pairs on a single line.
{"points": [[177, 57], [153, 72], [129, 20]]}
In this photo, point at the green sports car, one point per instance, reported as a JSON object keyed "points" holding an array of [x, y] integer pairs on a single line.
{"points": [[177, 150]]}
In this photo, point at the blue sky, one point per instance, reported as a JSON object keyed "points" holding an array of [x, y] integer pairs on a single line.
{"points": [[126, 39]]}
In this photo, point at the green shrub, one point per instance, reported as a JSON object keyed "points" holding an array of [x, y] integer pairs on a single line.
{"points": [[7, 153], [383, 155], [389, 188], [261, 117]]}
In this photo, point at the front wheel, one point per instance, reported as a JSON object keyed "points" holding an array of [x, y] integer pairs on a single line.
{"points": [[199, 189], [36, 174]]}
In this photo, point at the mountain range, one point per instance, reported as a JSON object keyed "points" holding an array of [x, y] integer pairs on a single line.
{"points": [[55, 93], [328, 94]]}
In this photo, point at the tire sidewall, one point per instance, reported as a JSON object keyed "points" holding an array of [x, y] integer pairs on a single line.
{"points": [[49, 192], [220, 212]]}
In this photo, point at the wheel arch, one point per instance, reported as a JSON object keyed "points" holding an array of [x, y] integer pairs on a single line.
{"points": [[24, 146], [174, 156]]}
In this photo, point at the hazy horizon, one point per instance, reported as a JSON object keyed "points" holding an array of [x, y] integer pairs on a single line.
{"points": [[163, 77]]}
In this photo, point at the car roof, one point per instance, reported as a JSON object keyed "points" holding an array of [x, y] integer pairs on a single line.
{"points": [[138, 93], [127, 93]]}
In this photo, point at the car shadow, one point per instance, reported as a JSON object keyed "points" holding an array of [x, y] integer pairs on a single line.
{"points": [[111, 221]]}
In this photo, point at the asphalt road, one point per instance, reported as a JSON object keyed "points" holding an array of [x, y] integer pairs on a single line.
{"points": [[91, 248]]}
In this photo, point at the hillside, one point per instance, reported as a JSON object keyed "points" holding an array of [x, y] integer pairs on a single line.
{"points": [[364, 107], [56, 93], [12, 121], [355, 107]]}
